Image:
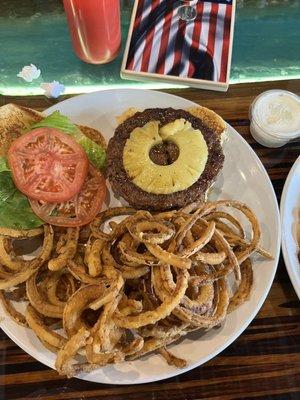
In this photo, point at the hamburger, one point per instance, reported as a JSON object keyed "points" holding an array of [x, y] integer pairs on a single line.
{"points": [[50, 170], [165, 158]]}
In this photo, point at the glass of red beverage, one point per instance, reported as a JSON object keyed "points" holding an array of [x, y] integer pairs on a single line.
{"points": [[95, 29]]}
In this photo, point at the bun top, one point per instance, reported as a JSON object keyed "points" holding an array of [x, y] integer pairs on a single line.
{"points": [[14, 119]]}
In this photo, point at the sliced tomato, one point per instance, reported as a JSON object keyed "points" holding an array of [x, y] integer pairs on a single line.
{"points": [[81, 209], [48, 165]]}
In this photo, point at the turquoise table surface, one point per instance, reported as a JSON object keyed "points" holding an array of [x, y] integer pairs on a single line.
{"points": [[266, 46]]}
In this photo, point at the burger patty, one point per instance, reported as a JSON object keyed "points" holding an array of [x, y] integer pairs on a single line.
{"points": [[123, 186]]}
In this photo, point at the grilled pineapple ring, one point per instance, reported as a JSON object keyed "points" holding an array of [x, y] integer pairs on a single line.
{"points": [[165, 179]]}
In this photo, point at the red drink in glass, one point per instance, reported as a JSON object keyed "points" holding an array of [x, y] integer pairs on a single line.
{"points": [[95, 29]]}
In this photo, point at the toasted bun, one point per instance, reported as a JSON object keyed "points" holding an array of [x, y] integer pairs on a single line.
{"points": [[94, 135], [207, 116], [126, 114], [15, 119]]}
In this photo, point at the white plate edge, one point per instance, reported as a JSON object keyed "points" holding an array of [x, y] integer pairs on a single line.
{"points": [[286, 257]]}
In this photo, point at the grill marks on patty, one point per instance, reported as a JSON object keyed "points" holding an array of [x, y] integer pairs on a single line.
{"points": [[124, 187]]}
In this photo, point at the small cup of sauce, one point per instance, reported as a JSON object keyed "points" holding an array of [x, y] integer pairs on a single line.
{"points": [[275, 118]]}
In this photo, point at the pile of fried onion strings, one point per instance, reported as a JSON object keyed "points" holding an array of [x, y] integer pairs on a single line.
{"points": [[114, 291]]}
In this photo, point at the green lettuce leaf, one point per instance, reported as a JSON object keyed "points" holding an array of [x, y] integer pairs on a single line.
{"points": [[15, 210], [7, 186], [58, 121], [3, 165], [96, 154]]}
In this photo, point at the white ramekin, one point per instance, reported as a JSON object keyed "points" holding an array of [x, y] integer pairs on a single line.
{"points": [[265, 135]]}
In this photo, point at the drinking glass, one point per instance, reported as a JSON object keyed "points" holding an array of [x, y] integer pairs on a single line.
{"points": [[95, 29]]}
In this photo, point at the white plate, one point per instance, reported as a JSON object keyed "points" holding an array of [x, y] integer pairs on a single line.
{"points": [[243, 178], [290, 224]]}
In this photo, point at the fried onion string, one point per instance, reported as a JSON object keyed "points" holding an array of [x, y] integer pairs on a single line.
{"points": [[119, 289]]}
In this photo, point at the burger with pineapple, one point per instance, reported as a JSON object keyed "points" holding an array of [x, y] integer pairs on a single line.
{"points": [[165, 158]]}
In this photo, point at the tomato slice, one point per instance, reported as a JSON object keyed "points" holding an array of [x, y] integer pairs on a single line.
{"points": [[48, 165], [81, 209]]}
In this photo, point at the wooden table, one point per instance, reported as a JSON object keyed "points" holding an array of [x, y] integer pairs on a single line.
{"points": [[263, 363]]}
